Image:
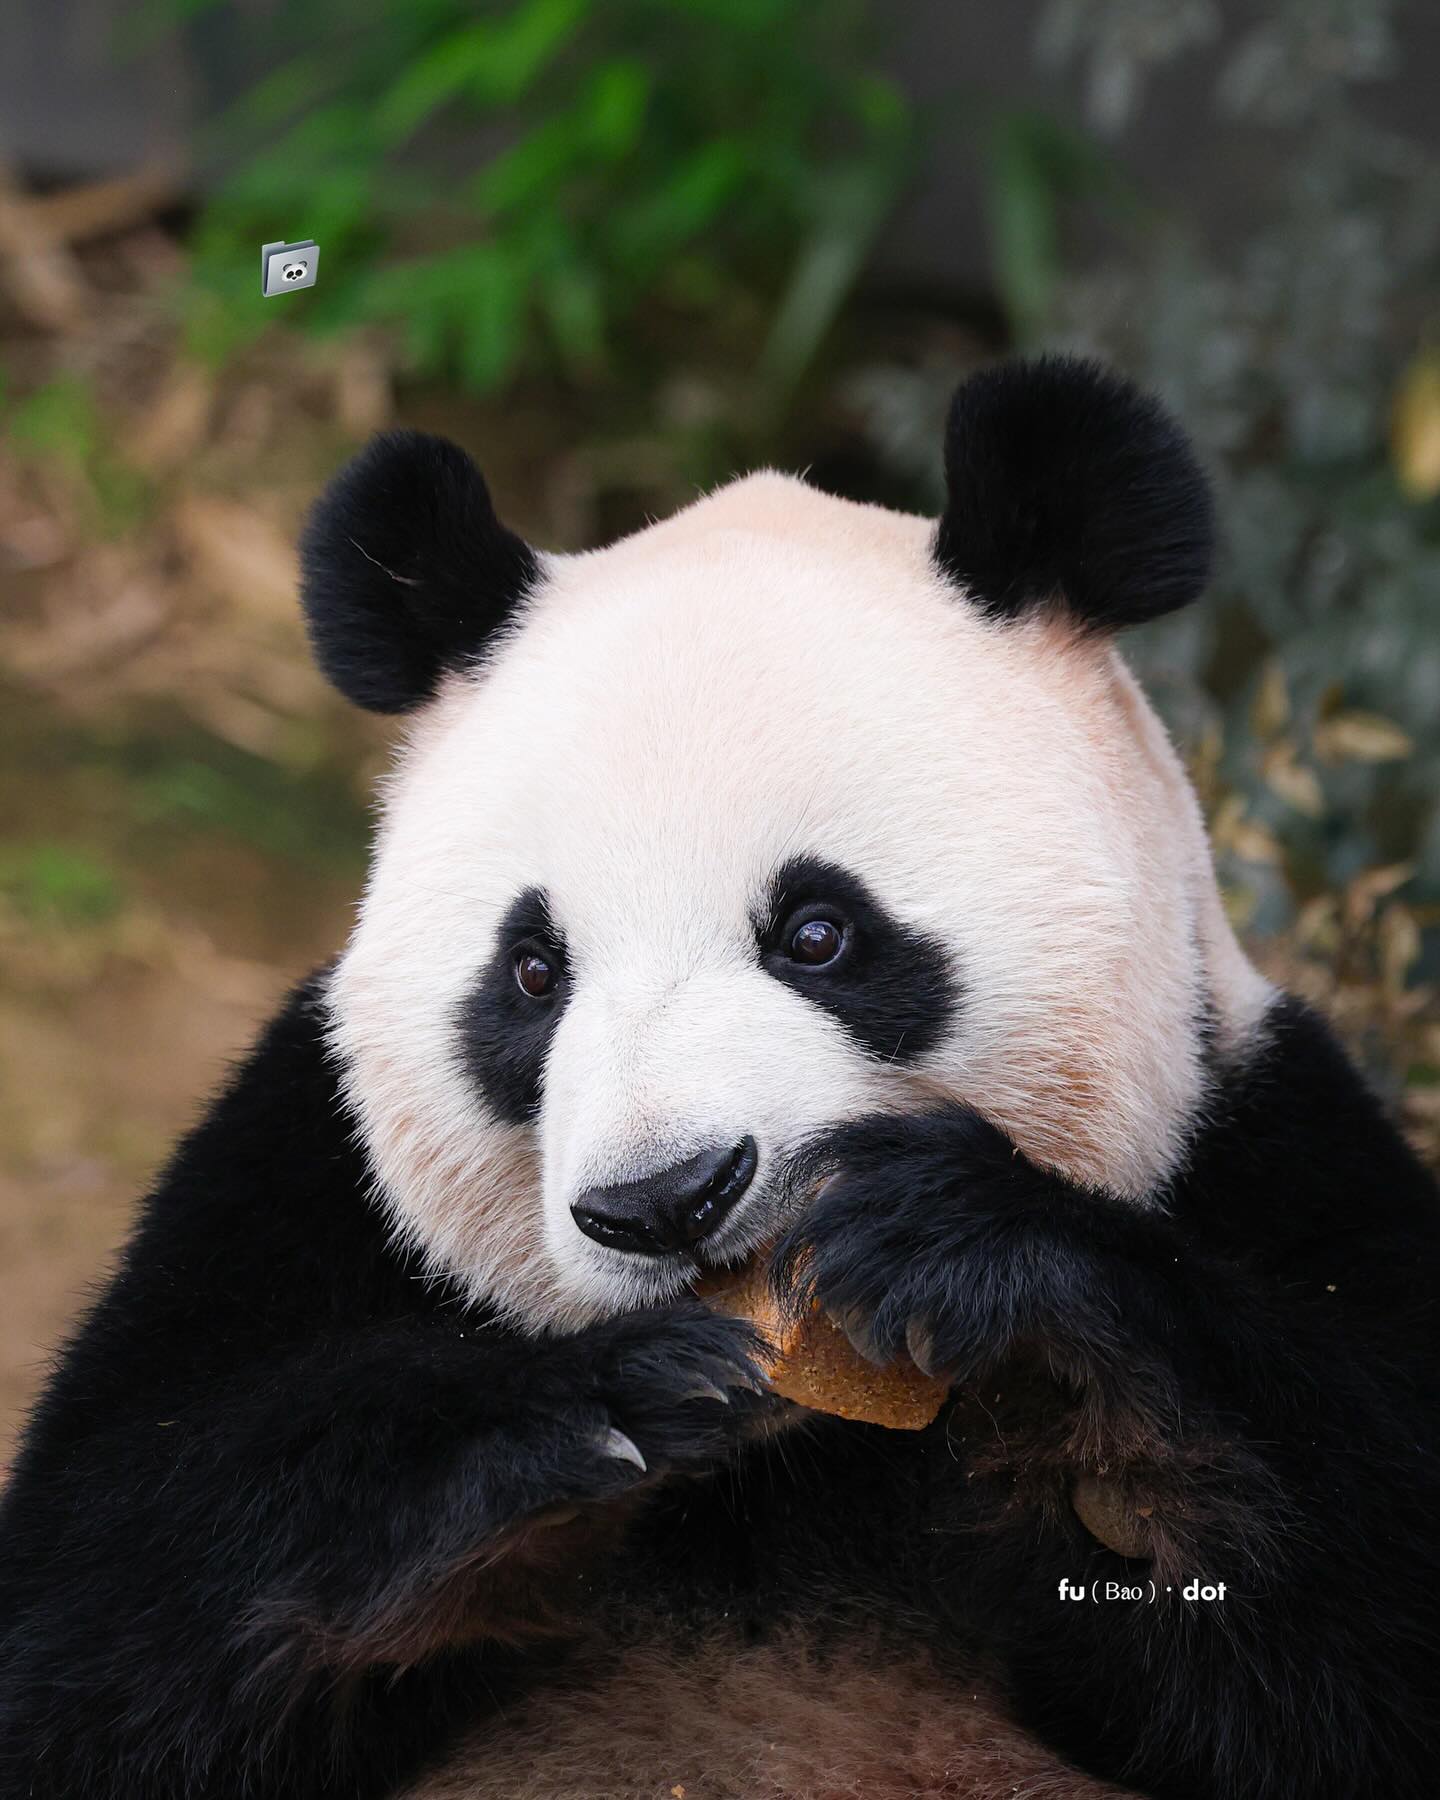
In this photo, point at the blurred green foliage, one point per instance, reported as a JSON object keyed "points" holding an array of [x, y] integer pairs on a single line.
{"points": [[58, 424], [60, 885], [505, 183], [1034, 170], [554, 185], [1313, 676], [179, 784], [1301, 347]]}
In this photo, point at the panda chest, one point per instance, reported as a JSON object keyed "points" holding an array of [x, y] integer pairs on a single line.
{"points": [[721, 1718]]}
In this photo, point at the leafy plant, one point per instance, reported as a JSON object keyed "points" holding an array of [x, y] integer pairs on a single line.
{"points": [[58, 426], [1304, 355], [59, 885], [1287, 355], [1034, 169], [508, 185]]}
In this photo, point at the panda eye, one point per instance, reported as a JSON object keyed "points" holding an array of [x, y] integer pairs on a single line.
{"points": [[535, 972], [816, 941]]}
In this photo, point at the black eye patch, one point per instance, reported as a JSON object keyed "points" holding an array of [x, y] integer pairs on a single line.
{"points": [[504, 1032], [891, 987]]}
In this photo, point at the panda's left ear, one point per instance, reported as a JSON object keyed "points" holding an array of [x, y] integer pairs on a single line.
{"points": [[406, 571], [1068, 487]]}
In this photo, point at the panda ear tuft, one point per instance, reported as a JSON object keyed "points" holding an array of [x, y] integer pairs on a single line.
{"points": [[405, 570], [1068, 486]]}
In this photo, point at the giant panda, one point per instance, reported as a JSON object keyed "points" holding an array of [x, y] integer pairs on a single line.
{"points": [[792, 879]]}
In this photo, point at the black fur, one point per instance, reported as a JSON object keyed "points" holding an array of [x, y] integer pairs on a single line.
{"points": [[504, 1033], [891, 987], [278, 1526], [1251, 1358], [406, 572], [270, 1451], [1068, 486]]}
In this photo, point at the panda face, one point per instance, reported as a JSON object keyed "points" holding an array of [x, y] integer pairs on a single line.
{"points": [[740, 828]]}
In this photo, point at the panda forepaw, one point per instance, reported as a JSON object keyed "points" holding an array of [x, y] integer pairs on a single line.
{"points": [[631, 1399], [933, 1238]]}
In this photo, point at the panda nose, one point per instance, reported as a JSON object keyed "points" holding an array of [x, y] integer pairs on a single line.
{"points": [[670, 1210]]}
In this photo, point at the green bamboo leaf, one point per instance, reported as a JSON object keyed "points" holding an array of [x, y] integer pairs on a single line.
{"points": [[1021, 207], [533, 166], [614, 106], [687, 201], [492, 318], [431, 82], [850, 209], [490, 62], [572, 298]]}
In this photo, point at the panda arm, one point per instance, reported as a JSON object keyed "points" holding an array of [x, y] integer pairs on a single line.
{"points": [[281, 1508], [1250, 1358]]}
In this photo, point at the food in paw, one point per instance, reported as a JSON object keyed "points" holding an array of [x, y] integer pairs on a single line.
{"points": [[817, 1366]]}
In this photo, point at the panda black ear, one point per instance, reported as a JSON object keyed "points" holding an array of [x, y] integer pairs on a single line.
{"points": [[405, 570], [1068, 486]]}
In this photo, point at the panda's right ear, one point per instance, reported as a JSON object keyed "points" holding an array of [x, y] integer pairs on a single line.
{"points": [[405, 570], [1069, 488]]}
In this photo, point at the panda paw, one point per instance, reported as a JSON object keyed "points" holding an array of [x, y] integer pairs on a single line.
{"points": [[628, 1401], [934, 1237]]}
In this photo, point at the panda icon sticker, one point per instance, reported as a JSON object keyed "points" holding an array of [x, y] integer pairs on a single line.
{"points": [[285, 266]]}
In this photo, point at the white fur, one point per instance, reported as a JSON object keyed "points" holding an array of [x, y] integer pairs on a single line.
{"points": [[772, 672]]}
